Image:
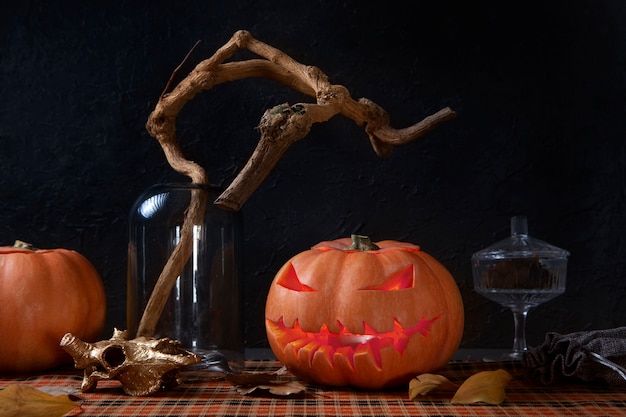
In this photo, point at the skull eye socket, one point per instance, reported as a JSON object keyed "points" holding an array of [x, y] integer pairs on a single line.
{"points": [[399, 280], [291, 281], [114, 356]]}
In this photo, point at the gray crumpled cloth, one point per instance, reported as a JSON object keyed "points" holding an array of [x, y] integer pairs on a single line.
{"points": [[591, 356]]}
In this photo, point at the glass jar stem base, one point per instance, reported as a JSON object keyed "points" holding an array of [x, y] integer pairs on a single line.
{"points": [[519, 341]]}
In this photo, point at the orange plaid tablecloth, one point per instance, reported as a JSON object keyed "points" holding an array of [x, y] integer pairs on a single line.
{"points": [[219, 398]]}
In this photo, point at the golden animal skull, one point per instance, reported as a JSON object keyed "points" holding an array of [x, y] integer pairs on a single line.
{"points": [[142, 365]]}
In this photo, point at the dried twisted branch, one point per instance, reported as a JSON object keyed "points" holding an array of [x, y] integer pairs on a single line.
{"points": [[280, 127]]}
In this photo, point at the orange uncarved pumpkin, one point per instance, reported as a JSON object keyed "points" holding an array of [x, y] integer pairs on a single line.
{"points": [[337, 315], [43, 295]]}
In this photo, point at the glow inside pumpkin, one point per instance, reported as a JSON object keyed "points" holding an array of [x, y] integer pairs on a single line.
{"points": [[371, 319]]}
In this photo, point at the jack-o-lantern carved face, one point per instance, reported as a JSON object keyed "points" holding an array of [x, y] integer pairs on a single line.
{"points": [[336, 315]]}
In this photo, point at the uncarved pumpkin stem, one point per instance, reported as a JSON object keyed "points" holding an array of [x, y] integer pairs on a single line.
{"points": [[360, 242], [24, 245]]}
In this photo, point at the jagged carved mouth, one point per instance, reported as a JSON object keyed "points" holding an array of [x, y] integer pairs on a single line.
{"points": [[346, 343]]}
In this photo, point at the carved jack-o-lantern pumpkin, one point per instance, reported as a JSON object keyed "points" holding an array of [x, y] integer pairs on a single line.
{"points": [[366, 316]]}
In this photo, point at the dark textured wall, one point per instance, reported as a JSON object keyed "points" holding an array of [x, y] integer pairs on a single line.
{"points": [[539, 88]]}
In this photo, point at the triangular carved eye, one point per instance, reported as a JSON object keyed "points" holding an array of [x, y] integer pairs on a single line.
{"points": [[399, 280], [289, 279]]}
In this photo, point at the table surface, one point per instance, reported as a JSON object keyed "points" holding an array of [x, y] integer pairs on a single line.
{"points": [[204, 397]]}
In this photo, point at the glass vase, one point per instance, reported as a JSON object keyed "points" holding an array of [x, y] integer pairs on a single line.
{"points": [[203, 311]]}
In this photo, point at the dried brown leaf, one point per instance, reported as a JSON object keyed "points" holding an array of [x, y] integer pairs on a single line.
{"points": [[424, 383], [248, 382], [287, 388], [485, 386], [281, 389], [20, 400]]}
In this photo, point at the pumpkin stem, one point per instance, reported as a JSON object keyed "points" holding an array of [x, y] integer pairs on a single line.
{"points": [[360, 242], [24, 245]]}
